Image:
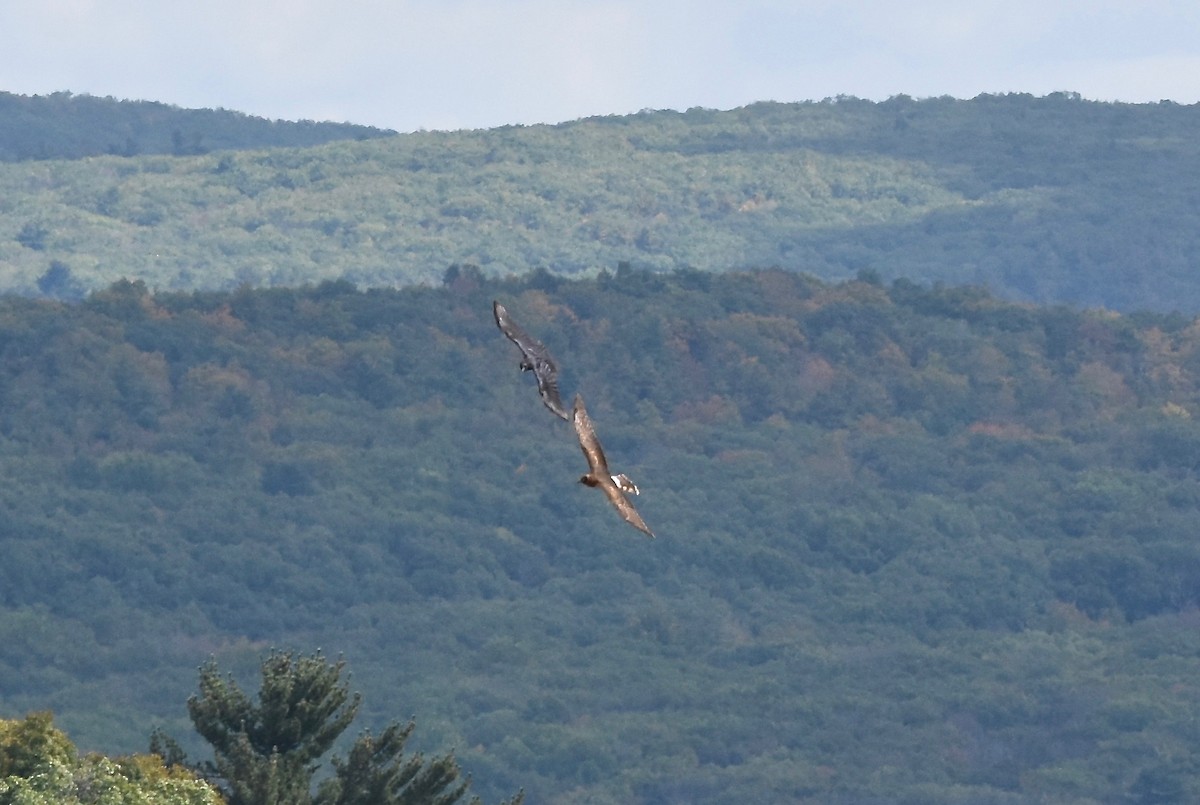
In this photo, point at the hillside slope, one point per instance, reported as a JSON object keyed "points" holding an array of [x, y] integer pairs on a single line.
{"points": [[1050, 200], [914, 545], [67, 126]]}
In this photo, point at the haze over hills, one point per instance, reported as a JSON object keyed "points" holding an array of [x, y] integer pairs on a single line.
{"points": [[1051, 200], [68, 126], [916, 542]]}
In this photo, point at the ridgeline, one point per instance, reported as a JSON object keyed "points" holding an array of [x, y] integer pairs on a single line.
{"points": [[1053, 200]]}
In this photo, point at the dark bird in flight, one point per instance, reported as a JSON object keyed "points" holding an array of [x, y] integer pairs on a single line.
{"points": [[614, 487], [534, 358]]}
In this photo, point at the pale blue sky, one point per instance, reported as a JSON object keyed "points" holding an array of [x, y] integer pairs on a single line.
{"points": [[438, 64]]}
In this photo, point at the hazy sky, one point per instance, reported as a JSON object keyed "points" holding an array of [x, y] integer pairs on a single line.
{"points": [[439, 64]]}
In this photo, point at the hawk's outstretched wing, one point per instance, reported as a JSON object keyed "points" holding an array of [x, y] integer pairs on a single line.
{"points": [[534, 357], [598, 473]]}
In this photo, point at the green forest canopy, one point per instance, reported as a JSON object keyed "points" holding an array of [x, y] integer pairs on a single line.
{"points": [[1050, 200], [917, 544]]}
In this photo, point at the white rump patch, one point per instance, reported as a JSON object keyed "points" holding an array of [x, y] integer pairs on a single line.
{"points": [[625, 485]]}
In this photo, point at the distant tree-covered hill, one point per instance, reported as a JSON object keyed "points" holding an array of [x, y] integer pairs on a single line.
{"points": [[67, 126], [915, 544], [1050, 200]]}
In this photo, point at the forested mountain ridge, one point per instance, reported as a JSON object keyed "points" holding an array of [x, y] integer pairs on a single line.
{"points": [[67, 126], [914, 544], [1050, 200]]}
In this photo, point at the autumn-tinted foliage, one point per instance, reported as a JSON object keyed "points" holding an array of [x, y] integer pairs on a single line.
{"points": [[915, 544], [40, 766]]}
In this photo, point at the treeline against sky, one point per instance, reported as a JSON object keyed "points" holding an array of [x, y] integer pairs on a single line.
{"points": [[67, 126], [1050, 200]]}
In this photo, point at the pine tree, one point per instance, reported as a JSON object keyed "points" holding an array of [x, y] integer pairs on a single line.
{"points": [[377, 772], [265, 753]]}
